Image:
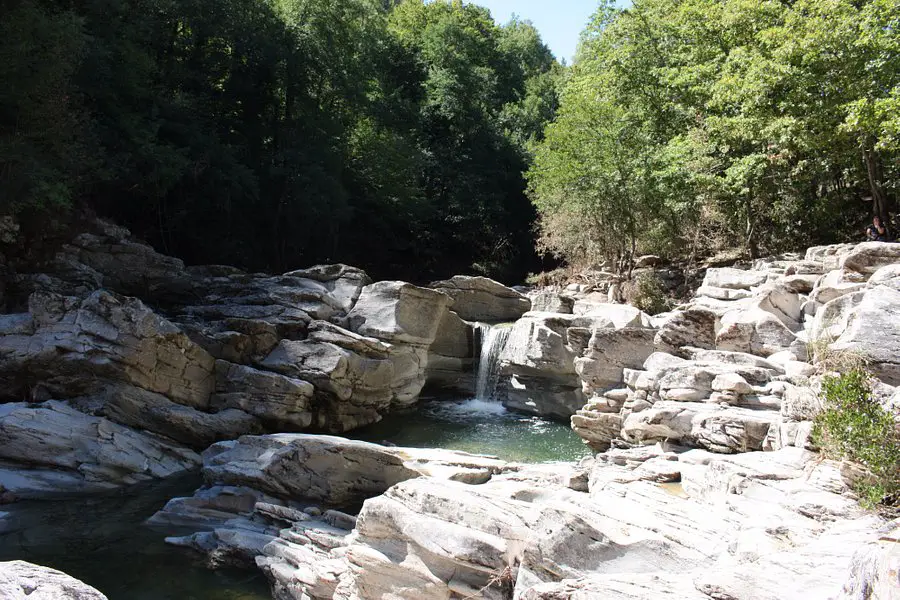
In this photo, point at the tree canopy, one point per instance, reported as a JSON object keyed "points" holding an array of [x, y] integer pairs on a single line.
{"points": [[273, 134], [701, 124]]}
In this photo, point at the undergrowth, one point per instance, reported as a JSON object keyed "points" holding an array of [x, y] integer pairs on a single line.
{"points": [[854, 426]]}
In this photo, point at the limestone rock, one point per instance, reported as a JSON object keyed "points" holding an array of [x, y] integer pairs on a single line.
{"points": [[754, 331], [611, 351], [868, 257], [735, 279], [20, 580], [551, 301], [694, 327], [483, 299], [399, 312], [78, 345], [888, 276], [344, 283], [88, 453], [277, 400], [451, 360]]}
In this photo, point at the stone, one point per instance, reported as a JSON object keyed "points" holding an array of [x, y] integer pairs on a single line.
{"points": [[344, 283], [483, 299], [148, 411], [332, 470], [874, 569], [721, 293], [20, 580], [871, 328], [398, 312], [735, 279], [731, 382], [754, 331], [868, 257], [551, 301], [79, 345], [278, 401], [611, 351], [694, 327], [616, 316], [451, 360], [800, 284], [783, 303], [56, 449], [888, 275], [835, 284]]}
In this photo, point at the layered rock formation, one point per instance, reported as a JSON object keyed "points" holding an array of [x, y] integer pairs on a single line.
{"points": [[24, 581], [641, 523], [104, 388]]}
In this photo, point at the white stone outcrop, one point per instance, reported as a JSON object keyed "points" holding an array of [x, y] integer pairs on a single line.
{"points": [[483, 299], [20, 580]]}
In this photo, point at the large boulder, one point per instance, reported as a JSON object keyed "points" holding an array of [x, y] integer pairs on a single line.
{"points": [[483, 299], [451, 360], [870, 326], [694, 327], [755, 331], [20, 580], [398, 312], [868, 257], [609, 352], [74, 346], [282, 403], [733, 279], [344, 283], [51, 448]]}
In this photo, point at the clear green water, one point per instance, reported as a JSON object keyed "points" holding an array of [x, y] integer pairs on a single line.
{"points": [[102, 541], [479, 427]]}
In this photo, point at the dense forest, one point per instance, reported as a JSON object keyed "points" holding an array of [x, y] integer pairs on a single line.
{"points": [[418, 140], [687, 127], [275, 134]]}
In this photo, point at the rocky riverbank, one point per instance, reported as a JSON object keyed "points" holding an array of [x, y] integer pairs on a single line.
{"points": [[120, 365]]}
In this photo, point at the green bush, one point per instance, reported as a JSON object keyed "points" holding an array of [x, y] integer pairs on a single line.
{"points": [[646, 293], [855, 427]]}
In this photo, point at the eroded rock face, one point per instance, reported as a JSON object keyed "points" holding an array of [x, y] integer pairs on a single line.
{"points": [[483, 299], [77, 344], [51, 448], [20, 580]]}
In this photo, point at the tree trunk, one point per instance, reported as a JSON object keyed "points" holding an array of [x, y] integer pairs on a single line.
{"points": [[879, 198], [752, 246]]}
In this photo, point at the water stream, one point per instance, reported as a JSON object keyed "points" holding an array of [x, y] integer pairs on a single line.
{"points": [[103, 542]]}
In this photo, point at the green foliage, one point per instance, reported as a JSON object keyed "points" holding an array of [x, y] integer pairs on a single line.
{"points": [[273, 134], [646, 292], [693, 125], [854, 426]]}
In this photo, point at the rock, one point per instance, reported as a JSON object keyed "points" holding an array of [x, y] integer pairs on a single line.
{"points": [[397, 312], [278, 401], [344, 283], [835, 284], [538, 361], [800, 284], [616, 316], [483, 299], [451, 361], [79, 345], [731, 382], [148, 411], [868, 257], [551, 301], [332, 470], [611, 351], [735, 279], [870, 327], [701, 425], [754, 331], [20, 580], [65, 451], [649, 260], [720, 293], [828, 256], [796, 370], [875, 567], [694, 327], [800, 403], [888, 276], [784, 304]]}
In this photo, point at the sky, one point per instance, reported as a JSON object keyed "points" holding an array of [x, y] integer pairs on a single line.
{"points": [[559, 21]]}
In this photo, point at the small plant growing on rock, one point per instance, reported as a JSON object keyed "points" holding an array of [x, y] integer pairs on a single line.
{"points": [[646, 293], [853, 426]]}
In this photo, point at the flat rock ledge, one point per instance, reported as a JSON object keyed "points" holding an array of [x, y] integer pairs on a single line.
{"points": [[649, 522], [20, 580]]}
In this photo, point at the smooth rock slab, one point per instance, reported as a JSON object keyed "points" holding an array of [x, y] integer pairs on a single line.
{"points": [[483, 299], [20, 580]]}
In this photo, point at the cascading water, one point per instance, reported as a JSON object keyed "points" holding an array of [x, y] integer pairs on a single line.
{"points": [[493, 339]]}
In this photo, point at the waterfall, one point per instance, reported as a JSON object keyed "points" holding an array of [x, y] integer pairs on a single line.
{"points": [[492, 340]]}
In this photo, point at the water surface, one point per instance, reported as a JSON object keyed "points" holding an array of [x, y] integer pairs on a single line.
{"points": [[478, 426]]}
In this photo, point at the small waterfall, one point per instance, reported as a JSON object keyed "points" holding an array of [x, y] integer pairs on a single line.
{"points": [[492, 340]]}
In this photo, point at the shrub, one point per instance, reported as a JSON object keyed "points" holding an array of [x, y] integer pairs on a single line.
{"points": [[646, 293], [855, 427]]}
